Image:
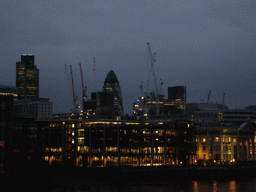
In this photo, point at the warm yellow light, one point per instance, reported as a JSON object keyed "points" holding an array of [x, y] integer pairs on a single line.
{"points": [[195, 161], [214, 161]]}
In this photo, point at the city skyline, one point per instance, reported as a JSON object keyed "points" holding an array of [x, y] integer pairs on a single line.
{"points": [[202, 45]]}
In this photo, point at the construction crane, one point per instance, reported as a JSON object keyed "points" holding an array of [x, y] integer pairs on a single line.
{"points": [[141, 89], [152, 69], [75, 110], [96, 89], [161, 86], [68, 80], [209, 95], [223, 99], [95, 74], [84, 88], [152, 61]]}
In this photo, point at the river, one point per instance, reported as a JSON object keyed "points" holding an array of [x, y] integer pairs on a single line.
{"points": [[239, 185]]}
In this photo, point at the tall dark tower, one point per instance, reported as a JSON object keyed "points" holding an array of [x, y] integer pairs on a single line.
{"points": [[27, 77], [177, 95], [111, 84]]}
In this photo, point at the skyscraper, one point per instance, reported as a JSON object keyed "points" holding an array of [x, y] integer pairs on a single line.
{"points": [[177, 97], [27, 77], [111, 84]]}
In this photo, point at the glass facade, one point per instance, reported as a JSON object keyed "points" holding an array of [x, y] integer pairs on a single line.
{"points": [[111, 84]]}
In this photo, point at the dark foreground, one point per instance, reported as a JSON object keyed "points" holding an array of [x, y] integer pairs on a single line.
{"points": [[48, 178]]}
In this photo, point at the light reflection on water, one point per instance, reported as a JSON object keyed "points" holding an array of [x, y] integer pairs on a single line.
{"points": [[181, 186]]}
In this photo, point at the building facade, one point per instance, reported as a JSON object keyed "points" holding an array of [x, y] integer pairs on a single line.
{"points": [[226, 142], [111, 84], [9, 90], [176, 99], [40, 108], [119, 143], [27, 77]]}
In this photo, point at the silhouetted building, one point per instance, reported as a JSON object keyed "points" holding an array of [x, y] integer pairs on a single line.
{"points": [[9, 90], [176, 99], [101, 105], [18, 136], [111, 84], [27, 77], [40, 108]]}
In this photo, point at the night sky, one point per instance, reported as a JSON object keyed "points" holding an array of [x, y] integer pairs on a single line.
{"points": [[202, 44]]}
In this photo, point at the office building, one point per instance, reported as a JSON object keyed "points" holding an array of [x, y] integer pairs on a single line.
{"points": [[111, 84], [119, 143], [27, 77], [101, 105], [176, 99], [9, 90], [40, 108]]}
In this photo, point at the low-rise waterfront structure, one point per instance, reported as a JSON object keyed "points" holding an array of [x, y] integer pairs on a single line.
{"points": [[119, 143], [226, 142]]}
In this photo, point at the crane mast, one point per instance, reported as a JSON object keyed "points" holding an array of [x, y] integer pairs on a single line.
{"points": [[223, 98], [95, 74], [152, 60], [84, 88], [96, 89], [209, 95], [73, 89]]}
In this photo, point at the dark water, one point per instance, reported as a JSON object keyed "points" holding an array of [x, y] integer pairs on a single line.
{"points": [[242, 185]]}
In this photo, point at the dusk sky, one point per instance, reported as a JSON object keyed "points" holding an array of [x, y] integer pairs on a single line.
{"points": [[202, 44]]}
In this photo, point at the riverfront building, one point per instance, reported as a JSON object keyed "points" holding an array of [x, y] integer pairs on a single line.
{"points": [[226, 142], [119, 143]]}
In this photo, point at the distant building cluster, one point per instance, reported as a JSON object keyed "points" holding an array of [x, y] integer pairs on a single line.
{"points": [[158, 132]]}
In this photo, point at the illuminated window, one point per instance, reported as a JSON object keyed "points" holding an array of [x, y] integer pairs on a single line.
{"points": [[217, 139], [204, 140], [234, 139]]}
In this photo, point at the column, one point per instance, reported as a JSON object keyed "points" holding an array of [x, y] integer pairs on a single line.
{"points": [[247, 149], [232, 148], [152, 148], [221, 147], [165, 147], [238, 148], [90, 146], [104, 147], [76, 144], [242, 149], [253, 149], [118, 145]]}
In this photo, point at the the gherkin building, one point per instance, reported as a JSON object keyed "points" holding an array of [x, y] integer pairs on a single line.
{"points": [[111, 84]]}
